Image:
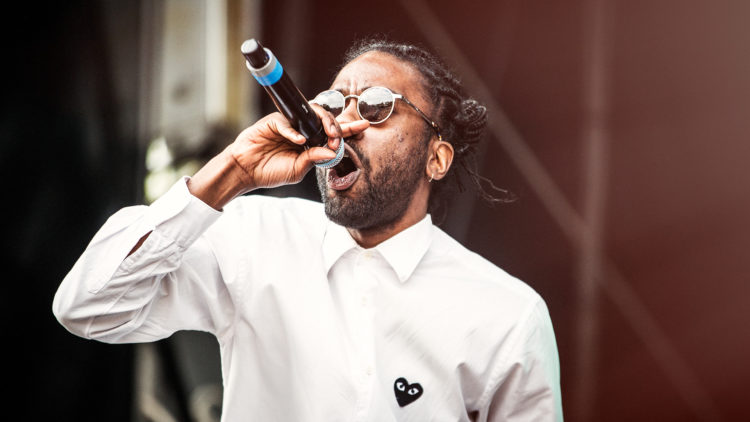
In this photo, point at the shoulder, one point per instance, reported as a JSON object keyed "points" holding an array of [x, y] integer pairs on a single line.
{"points": [[497, 320], [490, 294], [487, 299], [473, 272], [266, 202], [262, 213], [249, 206]]}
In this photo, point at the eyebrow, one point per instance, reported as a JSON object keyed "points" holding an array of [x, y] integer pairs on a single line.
{"points": [[346, 92]]}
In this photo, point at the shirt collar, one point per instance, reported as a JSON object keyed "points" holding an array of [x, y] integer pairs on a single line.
{"points": [[336, 242], [402, 251]]}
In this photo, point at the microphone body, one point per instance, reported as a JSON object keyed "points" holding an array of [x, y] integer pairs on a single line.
{"points": [[287, 98]]}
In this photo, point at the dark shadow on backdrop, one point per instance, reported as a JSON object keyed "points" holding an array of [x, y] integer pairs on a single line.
{"points": [[67, 163]]}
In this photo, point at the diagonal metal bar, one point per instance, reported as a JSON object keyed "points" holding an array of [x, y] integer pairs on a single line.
{"points": [[502, 34], [688, 386], [499, 124], [569, 221], [596, 67]]}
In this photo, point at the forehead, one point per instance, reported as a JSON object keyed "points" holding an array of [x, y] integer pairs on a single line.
{"points": [[376, 68]]}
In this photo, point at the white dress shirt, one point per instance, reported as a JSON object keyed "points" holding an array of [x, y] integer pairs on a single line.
{"points": [[312, 327]]}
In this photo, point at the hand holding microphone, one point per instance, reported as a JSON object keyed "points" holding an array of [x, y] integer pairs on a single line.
{"points": [[290, 102], [267, 154]]}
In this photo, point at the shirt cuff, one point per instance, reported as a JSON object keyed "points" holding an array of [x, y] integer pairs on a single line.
{"points": [[180, 216]]}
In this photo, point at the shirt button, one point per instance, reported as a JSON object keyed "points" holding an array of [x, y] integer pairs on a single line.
{"points": [[369, 371], [364, 301]]}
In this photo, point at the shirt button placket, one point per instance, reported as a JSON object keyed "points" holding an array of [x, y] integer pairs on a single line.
{"points": [[366, 284]]}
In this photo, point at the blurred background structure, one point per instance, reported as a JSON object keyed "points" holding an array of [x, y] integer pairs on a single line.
{"points": [[622, 127]]}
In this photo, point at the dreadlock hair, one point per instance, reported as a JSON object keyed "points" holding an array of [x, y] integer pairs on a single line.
{"points": [[462, 120]]}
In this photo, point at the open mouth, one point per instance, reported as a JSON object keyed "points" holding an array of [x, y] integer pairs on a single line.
{"points": [[344, 174]]}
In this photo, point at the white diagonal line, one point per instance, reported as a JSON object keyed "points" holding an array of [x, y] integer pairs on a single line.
{"points": [[567, 218]]}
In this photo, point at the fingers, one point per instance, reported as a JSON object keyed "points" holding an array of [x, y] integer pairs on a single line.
{"points": [[271, 128], [353, 128], [335, 130], [338, 127], [281, 126], [330, 125], [266, 151]]}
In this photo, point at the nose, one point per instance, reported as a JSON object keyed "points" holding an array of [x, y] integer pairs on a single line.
{"points": [[349, 114]]}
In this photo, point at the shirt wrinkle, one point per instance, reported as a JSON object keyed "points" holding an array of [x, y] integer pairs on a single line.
{"points": [[503, 359]]}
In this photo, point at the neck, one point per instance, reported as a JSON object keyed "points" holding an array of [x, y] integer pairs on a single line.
{"points": [[371, 237]]}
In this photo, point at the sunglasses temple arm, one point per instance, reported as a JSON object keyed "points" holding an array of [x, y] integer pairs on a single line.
{"points": [[424, 116]]}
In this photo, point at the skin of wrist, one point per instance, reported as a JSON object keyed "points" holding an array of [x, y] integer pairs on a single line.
{"points": [[219, 181]]}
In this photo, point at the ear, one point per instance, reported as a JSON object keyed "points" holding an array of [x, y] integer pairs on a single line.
{"points": [[439, 159]]}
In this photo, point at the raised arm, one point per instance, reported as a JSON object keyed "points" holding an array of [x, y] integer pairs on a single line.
{"points": [[149, 272]]}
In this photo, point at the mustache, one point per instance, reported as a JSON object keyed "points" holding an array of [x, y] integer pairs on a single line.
{"points": [[363, 159]]}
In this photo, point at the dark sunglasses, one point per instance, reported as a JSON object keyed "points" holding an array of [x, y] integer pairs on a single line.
{"points": [[374, 104]]}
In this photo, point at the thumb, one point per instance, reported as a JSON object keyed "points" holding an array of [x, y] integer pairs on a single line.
{"points": [[309, 157], [319, 154]]}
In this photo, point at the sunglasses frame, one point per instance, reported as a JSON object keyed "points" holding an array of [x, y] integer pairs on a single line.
{"points": [[390, 112]]}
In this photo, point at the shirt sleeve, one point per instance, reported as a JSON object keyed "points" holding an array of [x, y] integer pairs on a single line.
{"points": [[172, 282], [526, 382]]}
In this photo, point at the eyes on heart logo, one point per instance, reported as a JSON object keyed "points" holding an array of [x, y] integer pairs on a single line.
{"points": [[406, 393]]}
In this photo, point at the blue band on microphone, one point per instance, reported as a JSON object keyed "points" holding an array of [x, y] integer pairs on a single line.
{"points": [[272, 77]]}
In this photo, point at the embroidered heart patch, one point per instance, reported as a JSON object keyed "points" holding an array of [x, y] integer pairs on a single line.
{"points": [[406, 393]]}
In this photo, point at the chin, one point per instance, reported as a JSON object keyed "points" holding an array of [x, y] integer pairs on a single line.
{"points": [[377, 199], [362, 214]]}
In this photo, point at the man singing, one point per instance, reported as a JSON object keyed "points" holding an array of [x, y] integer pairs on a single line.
{"points": [[356, 309]]}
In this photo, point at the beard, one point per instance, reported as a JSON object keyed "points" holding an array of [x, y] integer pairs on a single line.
{"points": [[384, 194]]}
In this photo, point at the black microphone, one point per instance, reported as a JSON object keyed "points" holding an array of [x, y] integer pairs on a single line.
{"points": [[287, 97]]}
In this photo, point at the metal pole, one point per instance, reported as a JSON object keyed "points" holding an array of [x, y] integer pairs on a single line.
{"points": [[596, 68]]}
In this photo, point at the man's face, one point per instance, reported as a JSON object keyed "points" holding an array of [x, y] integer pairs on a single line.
{"points": [[375, 186]]}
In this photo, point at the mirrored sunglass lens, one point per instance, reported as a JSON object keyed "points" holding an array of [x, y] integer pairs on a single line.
{"points": [[375, 104], [332, 101]]}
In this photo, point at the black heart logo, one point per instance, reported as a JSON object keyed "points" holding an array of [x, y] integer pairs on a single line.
{"points": [[405, 392]]}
